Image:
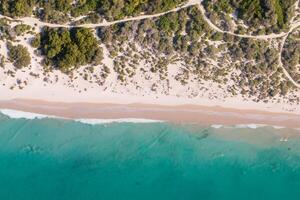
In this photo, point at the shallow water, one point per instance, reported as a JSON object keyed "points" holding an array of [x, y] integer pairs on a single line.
{"points": [[60, 159]]}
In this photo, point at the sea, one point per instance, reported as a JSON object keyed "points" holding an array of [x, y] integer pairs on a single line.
{"points": [[45, 158]]}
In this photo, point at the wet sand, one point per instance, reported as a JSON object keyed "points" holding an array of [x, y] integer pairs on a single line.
{"points": [[178, 114]]}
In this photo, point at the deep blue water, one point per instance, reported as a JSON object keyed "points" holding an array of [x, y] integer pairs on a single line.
{"points": [[59, 159]]}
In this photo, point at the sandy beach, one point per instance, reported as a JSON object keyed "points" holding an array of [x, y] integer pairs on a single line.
{"points": [[146, 95], [131, 99], [205, 103], [179, 114]]}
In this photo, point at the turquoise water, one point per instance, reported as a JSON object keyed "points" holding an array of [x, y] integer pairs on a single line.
{"points": [[59, 159]]}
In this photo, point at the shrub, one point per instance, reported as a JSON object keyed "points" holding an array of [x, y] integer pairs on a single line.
{"points": [[19, 55]]}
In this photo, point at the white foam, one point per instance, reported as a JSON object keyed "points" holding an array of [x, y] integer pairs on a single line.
{"points": [[15, 114], [125, 120], [278, 127], [284, 140], [217, 126], [252, 126]]}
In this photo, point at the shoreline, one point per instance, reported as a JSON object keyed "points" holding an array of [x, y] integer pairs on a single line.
{"points": [[214, 116], [177, 93]]}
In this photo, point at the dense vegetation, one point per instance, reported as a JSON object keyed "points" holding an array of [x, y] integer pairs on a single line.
{"points": [[251, 65], [16, 8], [4, 29], [54, 11], [164, 34], [57, 10], [273, 15], [244, 66], [291, 56], [118, 9], [18, 55], [21, 29], [2, 61], [68, 49]]}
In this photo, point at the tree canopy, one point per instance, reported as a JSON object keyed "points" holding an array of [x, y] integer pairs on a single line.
{"points": [[68, 49], [58, 10], [272, 14]]}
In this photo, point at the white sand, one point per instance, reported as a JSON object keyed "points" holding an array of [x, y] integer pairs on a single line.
{"points": [[112, 91], [60, 89]]}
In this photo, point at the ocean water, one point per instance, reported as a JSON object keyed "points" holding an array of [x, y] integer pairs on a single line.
{"points": [[60, 159]]}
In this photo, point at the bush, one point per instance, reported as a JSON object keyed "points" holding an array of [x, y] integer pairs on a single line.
{"points": [[21, 28], [68, 49], [36, 42], [19, 55]]}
